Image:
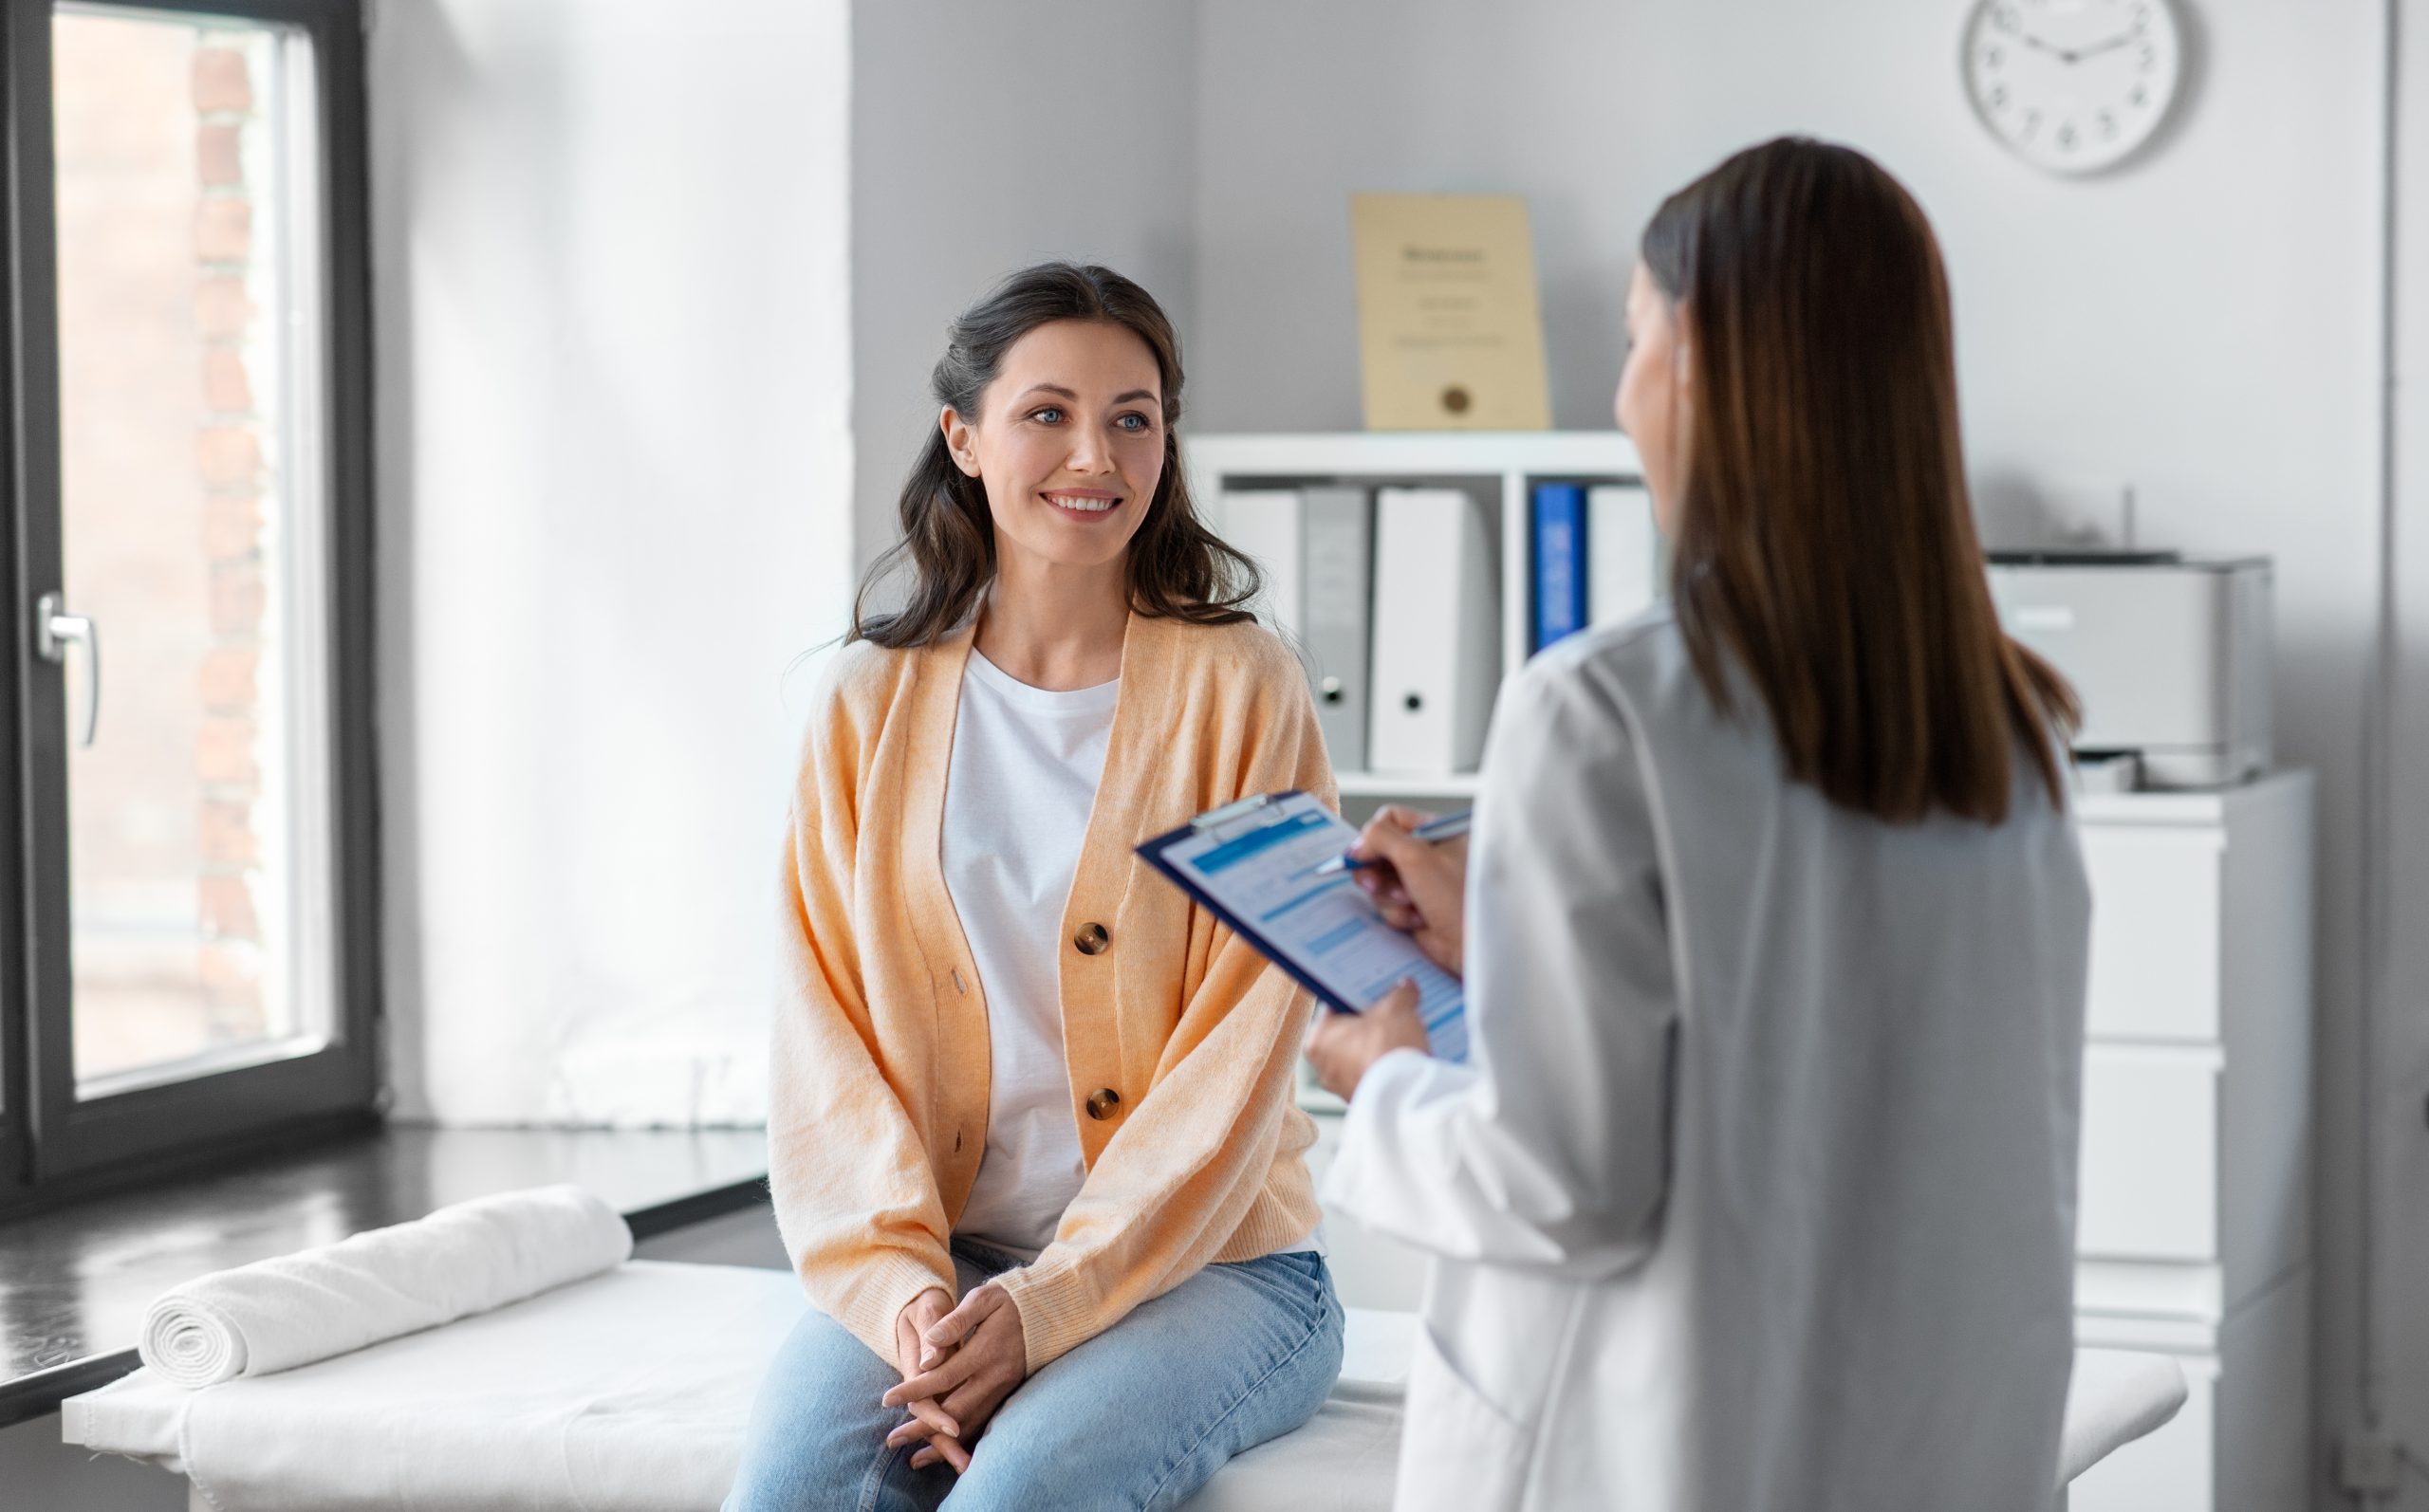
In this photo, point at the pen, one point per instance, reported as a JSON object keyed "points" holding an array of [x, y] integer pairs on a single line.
{"points": [[1449, 827]]}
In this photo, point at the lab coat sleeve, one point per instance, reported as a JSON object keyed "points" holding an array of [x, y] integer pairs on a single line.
{"points": [[1549, 1149]]}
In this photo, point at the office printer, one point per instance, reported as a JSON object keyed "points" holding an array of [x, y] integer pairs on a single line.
{"points": [[2170, 655]]}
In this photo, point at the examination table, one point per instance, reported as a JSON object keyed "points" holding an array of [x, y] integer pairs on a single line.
{"points": [[628, 1392]]}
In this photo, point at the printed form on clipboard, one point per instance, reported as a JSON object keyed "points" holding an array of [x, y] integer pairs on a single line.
{"points": [[1254, 864]]}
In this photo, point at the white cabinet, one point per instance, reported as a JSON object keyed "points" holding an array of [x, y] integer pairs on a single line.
{"points": [[2149, 1187], [2192, 1223], [2155, 949]]}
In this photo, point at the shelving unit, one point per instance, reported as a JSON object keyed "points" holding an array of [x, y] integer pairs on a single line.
{"points": [[1503, 467], [1394, 785]]}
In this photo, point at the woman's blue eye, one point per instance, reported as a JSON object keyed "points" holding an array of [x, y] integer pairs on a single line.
{"points": [[1134, 422], [1049, 414]]}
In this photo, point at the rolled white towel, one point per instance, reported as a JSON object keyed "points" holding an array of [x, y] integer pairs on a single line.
{"points": [[277, 1314]]}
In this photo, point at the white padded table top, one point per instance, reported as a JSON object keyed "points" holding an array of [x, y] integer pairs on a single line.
{"points": [[2113, 1398], [628, 1392]]}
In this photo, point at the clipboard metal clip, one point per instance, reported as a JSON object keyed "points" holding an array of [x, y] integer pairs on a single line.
{"points": [[1237, 818]]}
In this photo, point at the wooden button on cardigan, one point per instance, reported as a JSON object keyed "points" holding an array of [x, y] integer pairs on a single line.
{"points": [[1181, 1034]]}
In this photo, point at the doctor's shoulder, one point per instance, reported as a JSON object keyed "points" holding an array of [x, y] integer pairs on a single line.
{"points": [[1641, 659], [1643, 633]]}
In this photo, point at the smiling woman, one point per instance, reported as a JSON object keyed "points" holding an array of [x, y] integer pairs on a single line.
{"points": [[1041, 326], [1031, 1137]]}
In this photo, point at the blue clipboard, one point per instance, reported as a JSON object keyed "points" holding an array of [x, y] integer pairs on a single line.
{"points": [[1252, 864]]}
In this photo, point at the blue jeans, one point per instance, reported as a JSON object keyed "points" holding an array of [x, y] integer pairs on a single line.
{"points": [[1139, 1416]]}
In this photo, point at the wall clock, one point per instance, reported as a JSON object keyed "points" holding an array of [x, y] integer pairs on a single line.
{"points": [[2071, 85]]}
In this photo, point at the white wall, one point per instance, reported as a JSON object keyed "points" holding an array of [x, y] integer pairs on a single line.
{"points": [[2201, 325], [610, 265], [985, 137]]}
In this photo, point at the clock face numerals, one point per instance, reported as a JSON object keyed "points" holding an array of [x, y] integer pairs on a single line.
{"points": [[2072, 85]]}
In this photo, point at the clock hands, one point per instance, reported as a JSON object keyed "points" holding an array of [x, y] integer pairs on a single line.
{"points": [[2070, 56], [2110, 46]]}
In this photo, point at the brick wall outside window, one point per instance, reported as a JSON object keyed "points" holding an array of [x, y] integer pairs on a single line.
{"points": [[167, 438]]}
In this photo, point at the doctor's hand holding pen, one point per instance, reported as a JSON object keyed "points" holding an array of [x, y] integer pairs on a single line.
{"points": [[1418, 887]]}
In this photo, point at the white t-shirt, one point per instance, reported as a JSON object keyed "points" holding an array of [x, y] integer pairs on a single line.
{"points": [[1023, 777]]}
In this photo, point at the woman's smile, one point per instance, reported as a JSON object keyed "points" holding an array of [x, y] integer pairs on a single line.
{"points": [[1082, 503]]}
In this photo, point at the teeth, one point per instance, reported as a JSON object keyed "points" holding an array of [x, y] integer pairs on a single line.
{"points": [[1088, 505]]}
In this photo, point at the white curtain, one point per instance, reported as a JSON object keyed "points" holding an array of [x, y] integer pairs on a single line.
{"points": [[613, 311]]}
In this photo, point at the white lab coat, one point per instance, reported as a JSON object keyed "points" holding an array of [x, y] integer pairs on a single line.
{"points": [[1758, 1193]]}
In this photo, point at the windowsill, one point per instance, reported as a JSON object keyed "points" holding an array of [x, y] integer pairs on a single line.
{"points": [[75, 1280]]}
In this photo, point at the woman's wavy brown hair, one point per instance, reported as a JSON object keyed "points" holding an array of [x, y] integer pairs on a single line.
{"points": [[1825, 541], [1179, 569]]}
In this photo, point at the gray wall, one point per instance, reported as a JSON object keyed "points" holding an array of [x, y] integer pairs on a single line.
{"points": [[2399, 1068], [987, 136], [2201, 325]]}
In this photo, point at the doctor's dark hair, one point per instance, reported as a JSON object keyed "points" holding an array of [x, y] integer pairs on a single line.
{"points": [[1179, 569], [1825, 538]]}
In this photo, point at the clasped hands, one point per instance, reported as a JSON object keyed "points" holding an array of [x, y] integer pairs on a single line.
{"points": [[958, 1364], [1419, 888]]}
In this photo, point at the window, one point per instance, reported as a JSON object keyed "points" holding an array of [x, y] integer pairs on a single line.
{"points": [[190, 931]]}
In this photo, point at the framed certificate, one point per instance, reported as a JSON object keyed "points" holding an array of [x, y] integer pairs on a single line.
{"points": [[1451, 332]]}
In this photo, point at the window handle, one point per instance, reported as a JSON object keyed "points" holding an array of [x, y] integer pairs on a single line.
{"points": [[54, 632]]}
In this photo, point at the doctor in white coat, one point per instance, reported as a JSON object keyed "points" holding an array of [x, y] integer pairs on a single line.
{"points": [[1757, 1193]]}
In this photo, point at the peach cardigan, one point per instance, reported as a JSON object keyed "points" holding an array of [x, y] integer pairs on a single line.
{"points": [[1180, 1040]]}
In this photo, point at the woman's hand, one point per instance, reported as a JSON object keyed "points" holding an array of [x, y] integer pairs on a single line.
{"points": [[1420, 887], [912, 1353], [982, 1353], [1345, 1044]]}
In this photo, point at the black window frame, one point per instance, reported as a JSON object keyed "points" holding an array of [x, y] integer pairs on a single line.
{"points": [[51, 1144]]}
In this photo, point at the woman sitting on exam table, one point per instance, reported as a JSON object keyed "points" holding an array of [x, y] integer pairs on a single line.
{"points": [[1032, 1139], [1758, 1190]]}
